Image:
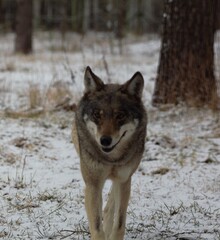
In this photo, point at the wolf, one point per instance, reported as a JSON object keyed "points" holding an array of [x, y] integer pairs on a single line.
{"points": [[109, 132]]}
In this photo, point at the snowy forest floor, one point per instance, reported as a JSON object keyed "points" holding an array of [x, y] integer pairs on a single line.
{"points": [[176, 190]]}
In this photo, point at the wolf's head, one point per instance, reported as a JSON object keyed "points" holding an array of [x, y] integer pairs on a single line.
{"points": [[112, 112]]}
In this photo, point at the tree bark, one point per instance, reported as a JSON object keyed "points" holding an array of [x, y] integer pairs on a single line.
{"points": [[217, 16], [23, 41], [185, 71]]}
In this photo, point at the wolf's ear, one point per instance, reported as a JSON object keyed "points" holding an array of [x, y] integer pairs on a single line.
{"points": [[135, 85], [91, 81]]}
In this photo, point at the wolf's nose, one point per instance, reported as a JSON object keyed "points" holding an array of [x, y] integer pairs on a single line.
{"points": [[106, 141]]}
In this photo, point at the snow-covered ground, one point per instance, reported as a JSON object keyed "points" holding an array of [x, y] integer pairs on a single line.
{"points": [[176, 190]]}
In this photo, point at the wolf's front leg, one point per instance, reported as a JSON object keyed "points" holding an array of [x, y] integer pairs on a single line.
{"points": [[108, 216], [121, 196], [93, 204]]}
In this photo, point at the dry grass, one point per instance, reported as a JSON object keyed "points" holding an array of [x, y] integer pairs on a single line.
{"points": [[35, 96], [187, 220], [56, 96], [160, 171], [8, 157], [8, 67], [4, 86], [57, 93], [40, 101], [30, 113]]}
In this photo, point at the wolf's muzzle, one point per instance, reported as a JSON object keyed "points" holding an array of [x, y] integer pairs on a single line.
{"points": [[107, 149]]}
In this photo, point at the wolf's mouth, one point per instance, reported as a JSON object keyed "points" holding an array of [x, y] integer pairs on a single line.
{"points": [[109, 149]]}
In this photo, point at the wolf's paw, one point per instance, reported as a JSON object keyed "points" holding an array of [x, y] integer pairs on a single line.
{"points": [[116, 237], [99, 236]]}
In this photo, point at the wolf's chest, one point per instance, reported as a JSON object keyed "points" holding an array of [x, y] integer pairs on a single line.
{"points": [[121, 173]]}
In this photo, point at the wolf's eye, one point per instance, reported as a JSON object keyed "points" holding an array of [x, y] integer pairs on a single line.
{"points": [[120, 116], [96, 114]]}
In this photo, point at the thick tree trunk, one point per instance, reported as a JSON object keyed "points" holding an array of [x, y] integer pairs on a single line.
{"points": [[185, 72], [217, 16], [23, 41]]}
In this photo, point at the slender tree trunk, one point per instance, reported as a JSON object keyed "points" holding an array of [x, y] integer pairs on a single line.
{"points": [[77, 15], [139, 16], [2, 16], [91, 15], [36, 13], [86, 13], [63, 18], [73, 14], [121, 15], [185, 72], [121, 9], [95, 14], [23, 40]]}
